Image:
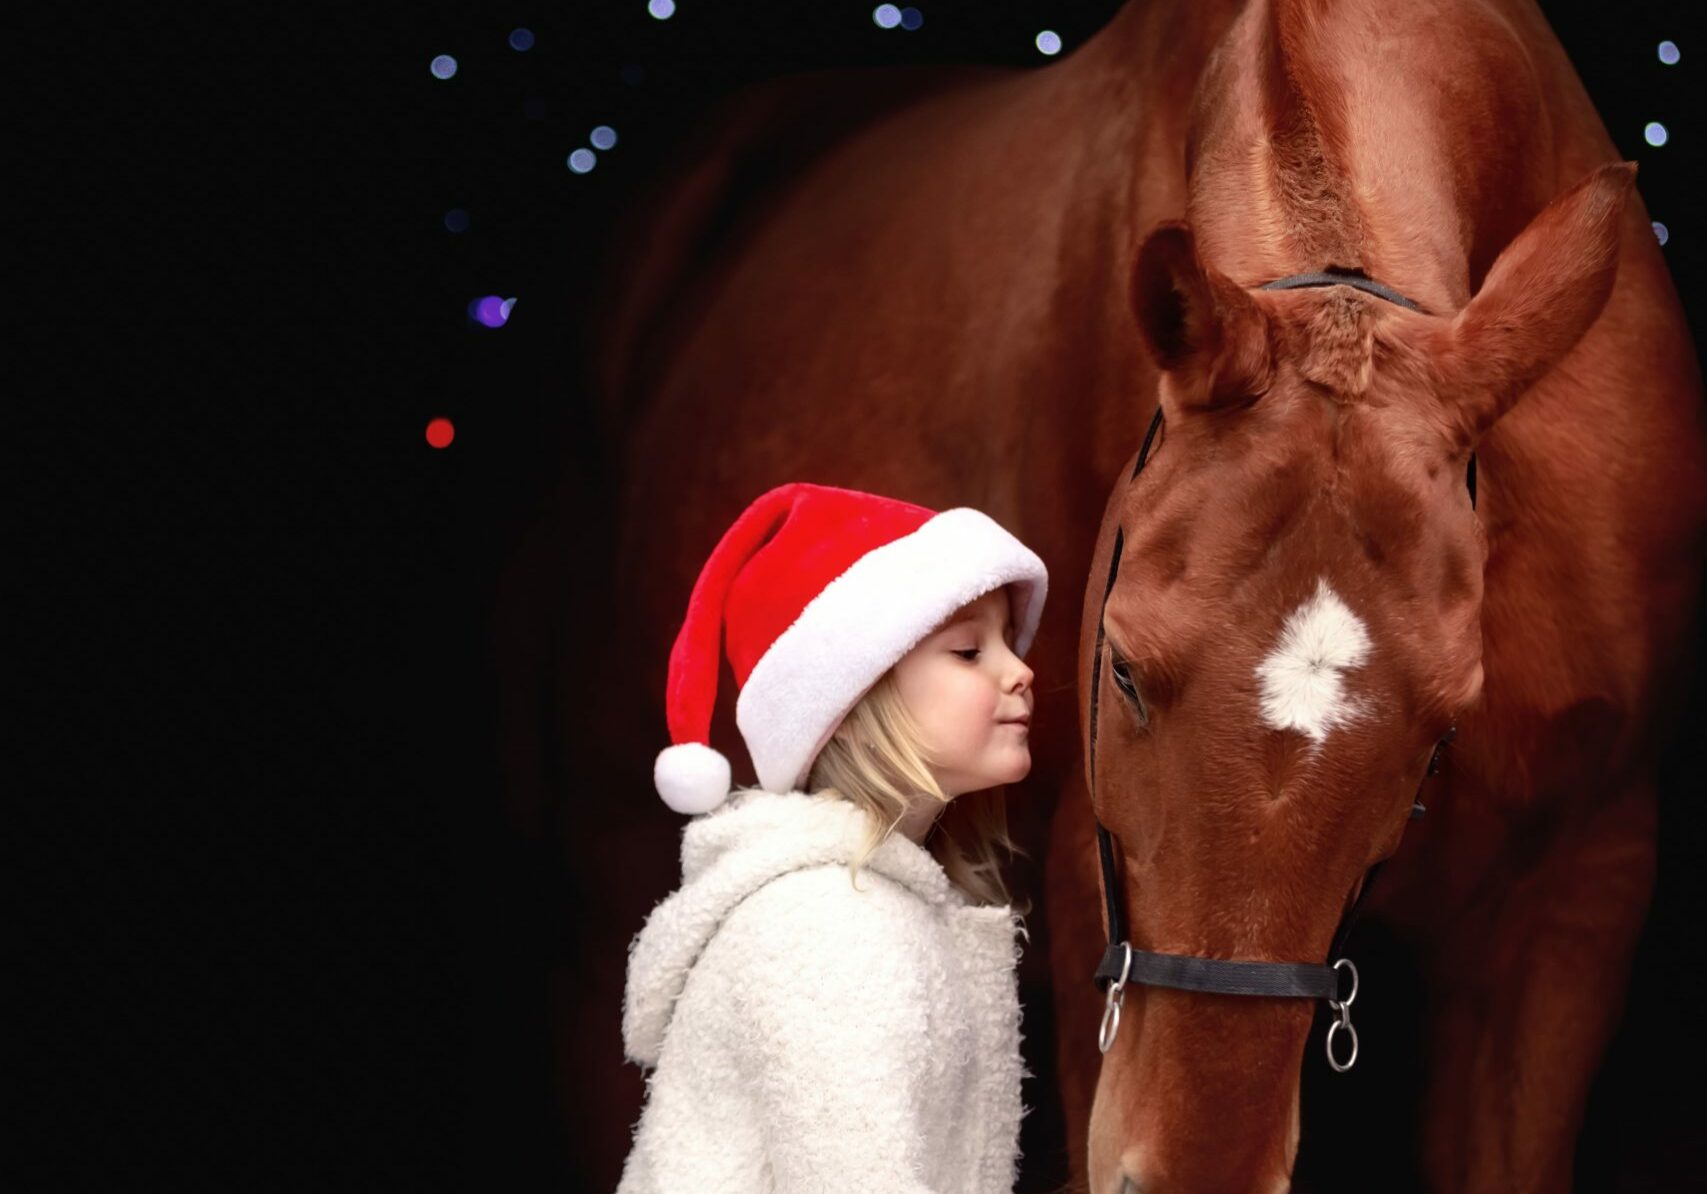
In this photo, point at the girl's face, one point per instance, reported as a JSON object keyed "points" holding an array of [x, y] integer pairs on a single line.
{"points": [[964, 685]]}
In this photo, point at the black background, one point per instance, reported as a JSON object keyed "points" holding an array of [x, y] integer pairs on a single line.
{"points": [[280, 932]]}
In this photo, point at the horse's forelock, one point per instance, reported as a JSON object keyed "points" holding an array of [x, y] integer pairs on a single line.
{"points": [[1335, 346]]}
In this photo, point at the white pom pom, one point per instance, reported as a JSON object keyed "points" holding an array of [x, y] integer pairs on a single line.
{"points": [[691, 777]]}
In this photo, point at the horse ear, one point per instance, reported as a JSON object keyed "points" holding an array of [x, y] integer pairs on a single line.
{"points": [[1544, 290], [1207, 335]]}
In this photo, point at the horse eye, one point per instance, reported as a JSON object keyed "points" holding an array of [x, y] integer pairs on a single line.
{"points": [[1434, 759], [1123, 678]]}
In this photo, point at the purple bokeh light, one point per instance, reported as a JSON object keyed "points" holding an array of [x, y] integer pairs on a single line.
{"points": [[488, 310]]}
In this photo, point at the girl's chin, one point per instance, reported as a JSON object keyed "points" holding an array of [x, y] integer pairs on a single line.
{"points": [[1006, 767]]}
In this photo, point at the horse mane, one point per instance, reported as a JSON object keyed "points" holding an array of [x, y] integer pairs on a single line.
{"points": [[1304, 113]]}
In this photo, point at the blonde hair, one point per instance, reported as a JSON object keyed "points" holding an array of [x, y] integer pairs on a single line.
{"points": [[877, 761]]}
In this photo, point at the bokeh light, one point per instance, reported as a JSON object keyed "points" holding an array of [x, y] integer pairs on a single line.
{"points": [[444, 66], [489, 311], [1668, 53], [521, 39], [440, 432], [506, 307], [1661, 232], [886, 16], [456, 220], [662, 9], [603, 137], [582, 160], [1655, 133], [911, 18], [1049, 42]]}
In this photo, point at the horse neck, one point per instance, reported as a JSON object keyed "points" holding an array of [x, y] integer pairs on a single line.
{"points": [[1317, 144]]}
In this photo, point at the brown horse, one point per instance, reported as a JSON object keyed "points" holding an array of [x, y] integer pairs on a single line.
{"points": [[925, 282], [1306, 600]]}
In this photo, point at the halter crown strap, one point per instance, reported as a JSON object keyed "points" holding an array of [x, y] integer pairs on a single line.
{"points": [[1332, 277]]}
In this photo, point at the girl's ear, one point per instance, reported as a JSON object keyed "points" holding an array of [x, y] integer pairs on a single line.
{"points": [[1208, 336]]}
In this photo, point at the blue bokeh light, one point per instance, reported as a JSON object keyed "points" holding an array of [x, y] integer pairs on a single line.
{"points": [[444, 66], [1669, 53], [911, 18], [886, 16], [603, 137], [456, 220], [1655, 133], [583, 160], [1661, 232], [1049, 42], [521, 39]]}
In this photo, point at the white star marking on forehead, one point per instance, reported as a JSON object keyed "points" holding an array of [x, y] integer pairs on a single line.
{"points": [[1303, 682]]}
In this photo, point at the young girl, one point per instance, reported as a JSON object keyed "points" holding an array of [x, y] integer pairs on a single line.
{"points": [[829, 1000]]}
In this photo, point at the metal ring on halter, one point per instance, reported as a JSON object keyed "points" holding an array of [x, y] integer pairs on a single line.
{"points": [[1343, 1008], [1336, 1004], [1345, 1023], [1116, 996]]}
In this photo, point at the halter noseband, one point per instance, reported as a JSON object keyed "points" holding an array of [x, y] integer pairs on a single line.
{"points": [[1121, 963]]}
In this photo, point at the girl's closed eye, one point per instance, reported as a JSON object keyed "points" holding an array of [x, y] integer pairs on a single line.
{"points": [[969, 651]]}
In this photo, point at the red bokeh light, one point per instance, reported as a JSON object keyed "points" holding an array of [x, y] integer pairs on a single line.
{"points": [[440, 433]]}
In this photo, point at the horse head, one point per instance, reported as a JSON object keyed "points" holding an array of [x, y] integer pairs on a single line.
{"points": [[1292, 622]]}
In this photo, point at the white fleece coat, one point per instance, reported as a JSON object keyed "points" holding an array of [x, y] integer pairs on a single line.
{"points": [[802, 1036]]}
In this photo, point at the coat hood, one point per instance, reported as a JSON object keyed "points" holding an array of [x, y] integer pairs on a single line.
{"points": [[729, 853]]}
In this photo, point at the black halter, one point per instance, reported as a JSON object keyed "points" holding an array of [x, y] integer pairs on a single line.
{"points": [[1121, 963], [1338, 277]]}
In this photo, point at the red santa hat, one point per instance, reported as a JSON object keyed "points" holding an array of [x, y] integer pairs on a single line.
{"points": [[817, 592]]}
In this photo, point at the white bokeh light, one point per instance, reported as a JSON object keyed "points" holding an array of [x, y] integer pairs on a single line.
{"points": [[1669, 53], [662, 9], [1661, 232], [603, 137], [1049, 42], [582, 160], [1655, 133], [444, 66], [886, 16]]}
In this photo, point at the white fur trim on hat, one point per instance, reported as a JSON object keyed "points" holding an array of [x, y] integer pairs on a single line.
{"points": [[691, 777], [864, 621]]}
